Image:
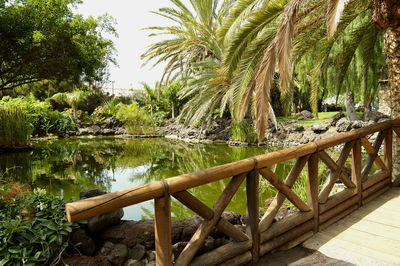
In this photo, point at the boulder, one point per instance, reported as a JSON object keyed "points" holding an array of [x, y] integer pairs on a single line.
{"points": [[101, 221], [86, 244], [93, 130], [336, 118], [291, 126], [120, 131], [305, 114], [358, 124], [178, 247], [320, 128], [108, 131], [138, 252], [343, 125], [115, 253], [131, 262], [86, 261], [374, 116]]}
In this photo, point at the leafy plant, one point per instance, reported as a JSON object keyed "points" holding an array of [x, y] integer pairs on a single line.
{"points": [[33, 226], [136, 120], [243, 131], [15, 129]]}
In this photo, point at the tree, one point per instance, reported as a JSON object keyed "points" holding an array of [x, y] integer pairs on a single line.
{"points": [[276, 35], [190, 39], [44, 40]]}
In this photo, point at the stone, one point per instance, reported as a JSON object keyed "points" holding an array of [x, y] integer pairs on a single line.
{"points": [[232, 217], [108, 131], [138, 252], [178, 247], [305, 114], [320, 128], [358, 124], [208, 244], [151, 255], [336, 118], [151, 263], [88, 193], [115, 253], [86, 244], [374, 116], [86, 261], [343, 125], [104, 220], [93, 130], [131, 262], [120, 131]]}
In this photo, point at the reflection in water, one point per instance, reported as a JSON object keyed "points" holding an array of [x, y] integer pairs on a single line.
{"points": [[65, 167]]}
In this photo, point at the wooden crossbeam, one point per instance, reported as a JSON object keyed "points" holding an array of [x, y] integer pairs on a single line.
{"points": [[279, 185], [206, 226], [337, 173], [328, 161], [356, 169], [277, 202], [207, 213], [371, 157], [371, 150]]}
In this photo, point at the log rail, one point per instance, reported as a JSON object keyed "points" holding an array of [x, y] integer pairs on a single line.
{"points": [[321, 209]]}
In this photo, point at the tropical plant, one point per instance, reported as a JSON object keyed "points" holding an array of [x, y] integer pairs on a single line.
{"points": [[243, 131], [263, 35], [71, 98], [192, 38], [137, 121]]}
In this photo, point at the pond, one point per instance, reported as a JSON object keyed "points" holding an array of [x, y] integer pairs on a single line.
{"points": [[65, 167]]}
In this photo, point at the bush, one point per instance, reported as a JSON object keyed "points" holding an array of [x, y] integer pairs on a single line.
{"points": [[243, 131], [136, 120], [40, 115], [33, 226], [15, 129]]}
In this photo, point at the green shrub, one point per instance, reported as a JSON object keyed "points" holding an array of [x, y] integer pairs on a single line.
{"points": [[33, 226], [243, 131], [40, 115], [137, 121], [15, 129]]}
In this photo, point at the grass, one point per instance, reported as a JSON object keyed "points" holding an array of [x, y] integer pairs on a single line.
{"points": [[323, 117], [15, 129]]}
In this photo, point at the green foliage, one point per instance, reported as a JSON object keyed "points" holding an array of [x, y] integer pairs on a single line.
{"points": [[33, 226], [243, 131], [40, 115], [136, 120], [44, 40], [15, 129]]}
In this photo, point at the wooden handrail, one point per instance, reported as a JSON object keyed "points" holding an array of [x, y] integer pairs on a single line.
{"points": [[320, 210], [90, 207]]}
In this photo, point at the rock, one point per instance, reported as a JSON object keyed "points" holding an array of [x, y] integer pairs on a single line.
{"points": [[320, 128], [358, 124], [305, 114], [232, 217], [151, 255], [86, 246], [138, 252], [93, 130], [108, 131], [208, 244], [131, 262], [374, 116], [151, 263], [120, 131], [88, 193], [178, 247], [336, 118], [86, 261], [115, 253], [101, 221], [291, 126], [343, 125]]}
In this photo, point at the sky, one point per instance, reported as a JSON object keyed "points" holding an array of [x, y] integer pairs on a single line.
{"points": [[131, 17]]}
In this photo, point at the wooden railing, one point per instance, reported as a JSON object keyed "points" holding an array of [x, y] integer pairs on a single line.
{"points": [[262, 236]]}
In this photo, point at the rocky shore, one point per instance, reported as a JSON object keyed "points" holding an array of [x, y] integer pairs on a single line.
{"points": [[108, 240]]}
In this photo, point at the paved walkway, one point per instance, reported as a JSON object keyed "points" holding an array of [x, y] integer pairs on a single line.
{"points": [[368, 236]]}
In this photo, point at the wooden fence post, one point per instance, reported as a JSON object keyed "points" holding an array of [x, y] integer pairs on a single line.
{"points": [[312, 188], [162, 224], [252, 193], [388, 152], [356, 175]]}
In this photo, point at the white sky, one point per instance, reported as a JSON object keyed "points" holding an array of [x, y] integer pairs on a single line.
{"points": [[131, 16]]}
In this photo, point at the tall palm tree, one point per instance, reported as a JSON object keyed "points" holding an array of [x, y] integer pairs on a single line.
{"points": [[190, 38], [270, 36]]}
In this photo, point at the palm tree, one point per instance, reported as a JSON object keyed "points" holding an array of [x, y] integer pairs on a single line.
{"points": [[266, 36], [190, 37]]}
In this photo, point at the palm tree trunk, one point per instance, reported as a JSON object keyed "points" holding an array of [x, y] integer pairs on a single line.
{"points": [[392, 51]]}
